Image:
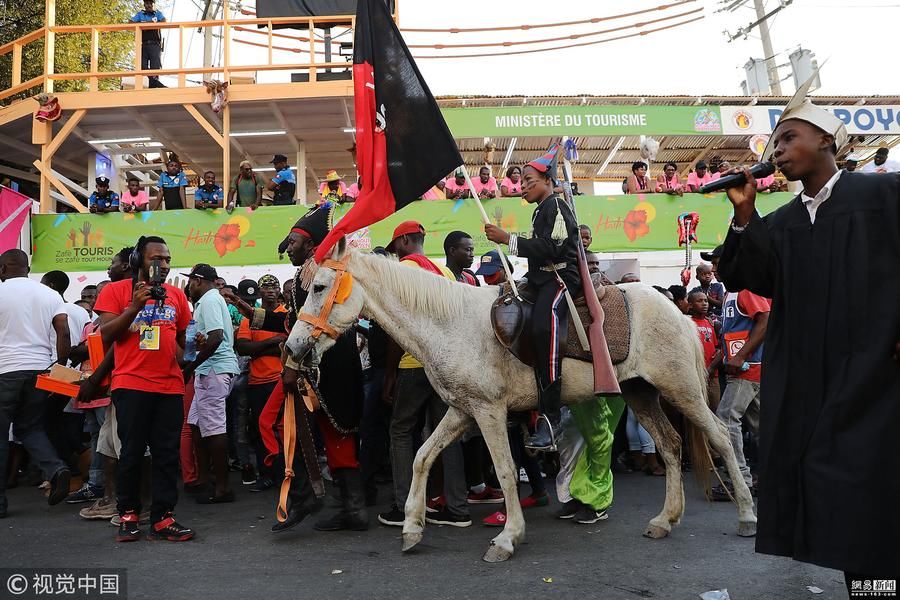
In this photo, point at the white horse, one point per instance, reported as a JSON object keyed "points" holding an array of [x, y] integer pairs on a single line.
{"points": [[447, 326]]}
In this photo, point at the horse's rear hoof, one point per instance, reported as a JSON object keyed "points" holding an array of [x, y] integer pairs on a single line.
{"points": [[410, 540], [747, 529], [656, 532], [496, 554]]}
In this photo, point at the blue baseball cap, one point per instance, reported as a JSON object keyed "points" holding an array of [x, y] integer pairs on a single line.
{"points": [[490, 264]]}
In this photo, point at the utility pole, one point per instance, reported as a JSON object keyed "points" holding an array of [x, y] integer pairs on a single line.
{"points": [[768, 52]]}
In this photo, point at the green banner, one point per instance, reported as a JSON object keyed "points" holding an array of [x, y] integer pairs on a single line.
{"points": [[582, 120], [624, 223]]}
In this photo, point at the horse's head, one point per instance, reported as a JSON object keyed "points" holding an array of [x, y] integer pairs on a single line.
{"points": [[332, 307]]}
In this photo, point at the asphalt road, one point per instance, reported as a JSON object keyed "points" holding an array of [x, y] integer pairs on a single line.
{"points": [[235, 556]]}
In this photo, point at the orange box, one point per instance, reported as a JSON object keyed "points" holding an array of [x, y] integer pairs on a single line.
{"points": [[96, 352], [47, 383]]}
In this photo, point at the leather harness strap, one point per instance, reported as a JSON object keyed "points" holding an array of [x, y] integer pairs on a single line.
{"points": [[320, 321]]}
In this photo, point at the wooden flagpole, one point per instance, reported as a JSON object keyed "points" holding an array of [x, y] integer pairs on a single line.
{"points": [[484, 218]]}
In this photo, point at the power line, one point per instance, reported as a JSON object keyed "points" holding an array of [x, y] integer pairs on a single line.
{"points": [[566, 46], [558, 39]]}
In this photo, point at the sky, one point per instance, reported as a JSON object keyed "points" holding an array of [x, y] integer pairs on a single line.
{"points": [[695, 59]]}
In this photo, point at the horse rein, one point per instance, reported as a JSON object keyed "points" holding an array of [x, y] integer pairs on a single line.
{"points": [[340, 291]]}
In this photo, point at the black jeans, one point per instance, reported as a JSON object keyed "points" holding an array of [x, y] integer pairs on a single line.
{"points": [[257, 396], [151, 58], [147, 418], [23, 405], [374, 438]]}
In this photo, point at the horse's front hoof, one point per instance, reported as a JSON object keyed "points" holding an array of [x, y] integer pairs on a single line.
{"points": [[747, 529], [656, 532], [410, 541], [496, 554]]}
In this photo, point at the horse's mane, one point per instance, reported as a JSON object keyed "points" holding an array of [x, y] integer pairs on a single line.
{"points": [[420, 290]]}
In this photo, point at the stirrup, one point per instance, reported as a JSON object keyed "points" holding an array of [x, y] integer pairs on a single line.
{"points": [[552, 446]]}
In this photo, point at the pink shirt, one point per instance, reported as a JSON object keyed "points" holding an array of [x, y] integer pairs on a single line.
{"points": [[662, 183], [450, 185], [694, 180], [765, 182], [136, 201], [490, 186], [353, 191], [513, 189], [435, 193]]}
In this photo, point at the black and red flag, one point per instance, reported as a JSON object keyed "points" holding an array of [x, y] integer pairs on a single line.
{"points": [[403, 145]]}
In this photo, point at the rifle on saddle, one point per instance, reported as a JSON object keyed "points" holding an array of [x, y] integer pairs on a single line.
{"points": [[605, 381]]}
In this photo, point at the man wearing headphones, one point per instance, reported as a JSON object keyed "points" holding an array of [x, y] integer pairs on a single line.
{"points": [[147, 324]]}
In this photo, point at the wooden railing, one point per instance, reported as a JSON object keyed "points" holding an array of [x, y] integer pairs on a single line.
{"points": [[226, 68]]}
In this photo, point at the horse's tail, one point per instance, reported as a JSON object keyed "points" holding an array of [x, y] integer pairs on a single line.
{"points": [[698, 445]]}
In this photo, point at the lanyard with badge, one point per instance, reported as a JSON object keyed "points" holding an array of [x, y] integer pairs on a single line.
{"points": [[148, 333]]}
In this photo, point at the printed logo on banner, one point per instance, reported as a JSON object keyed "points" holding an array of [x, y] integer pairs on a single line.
{"points": [[742, 119], [707, 119], [85, 245]]}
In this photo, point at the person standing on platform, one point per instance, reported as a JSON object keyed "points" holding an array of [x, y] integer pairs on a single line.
{"points": [[246, 189], [830, 260], [151, 40], [103, 200], [208, 195], [171, 188], [134, 199], [283, 184]]}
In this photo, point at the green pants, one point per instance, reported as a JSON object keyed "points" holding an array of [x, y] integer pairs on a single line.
{"points": [[592, 480]]}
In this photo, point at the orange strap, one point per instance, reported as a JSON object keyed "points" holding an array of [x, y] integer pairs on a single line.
{"points": [[290, 444], [343, 283]]}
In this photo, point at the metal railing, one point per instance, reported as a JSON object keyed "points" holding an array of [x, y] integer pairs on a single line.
{"points": [[228, 67]]}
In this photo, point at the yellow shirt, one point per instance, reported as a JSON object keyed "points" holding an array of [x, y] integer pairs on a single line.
{"points": [[407, 361]]}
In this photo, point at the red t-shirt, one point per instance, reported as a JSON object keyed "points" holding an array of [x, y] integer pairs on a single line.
{"points": [[708, 338], [147, 370]]}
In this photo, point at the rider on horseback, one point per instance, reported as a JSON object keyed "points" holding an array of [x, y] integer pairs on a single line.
{"points": [[552, 253]]}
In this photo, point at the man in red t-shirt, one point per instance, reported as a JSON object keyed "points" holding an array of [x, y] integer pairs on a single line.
{"points": [[147, 387], [698, 305]]}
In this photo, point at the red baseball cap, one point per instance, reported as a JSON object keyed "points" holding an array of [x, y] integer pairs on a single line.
{"points": [[405, 228]]}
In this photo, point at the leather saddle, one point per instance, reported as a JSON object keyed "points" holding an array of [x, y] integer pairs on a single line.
{"points": [[511, 319]]}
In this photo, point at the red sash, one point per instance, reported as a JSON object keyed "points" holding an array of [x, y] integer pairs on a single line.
{"points": [[424, 262]]}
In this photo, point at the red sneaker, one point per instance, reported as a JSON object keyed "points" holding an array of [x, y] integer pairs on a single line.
{"points": [[498, 519], [169, 529], [532, 501], [487, 496], [435, 504]]}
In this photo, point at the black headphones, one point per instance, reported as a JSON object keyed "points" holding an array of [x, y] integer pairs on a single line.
{"points": [[136, 258]]}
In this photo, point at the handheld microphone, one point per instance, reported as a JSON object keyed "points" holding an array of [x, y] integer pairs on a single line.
{"points": [[759, 170]]}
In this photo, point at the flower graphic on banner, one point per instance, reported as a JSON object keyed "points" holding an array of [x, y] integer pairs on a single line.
{"points": [[228, 238], [635, 224]]}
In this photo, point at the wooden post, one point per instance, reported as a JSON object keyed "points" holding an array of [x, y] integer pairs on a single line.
{"points": [[49, 44], [269, 31], [42, 135], [182, 79], [94, 82], [226, 151], [226, 48], [312, 53], [17, 65], [138, 64]]}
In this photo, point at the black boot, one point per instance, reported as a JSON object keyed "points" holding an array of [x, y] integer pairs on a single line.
{"points": [[547, 429], [353, 514], [302, 502]]}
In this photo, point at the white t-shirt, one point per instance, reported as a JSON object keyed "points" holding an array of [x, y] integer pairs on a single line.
{"points": [[27, 309], [78, 318], [888, 166]]}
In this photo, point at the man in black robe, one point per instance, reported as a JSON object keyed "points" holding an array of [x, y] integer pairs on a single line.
{"points": [[829, 489], [340, 386]]}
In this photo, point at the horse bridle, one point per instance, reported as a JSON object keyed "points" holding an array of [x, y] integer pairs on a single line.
{"points": [[342, 285]]}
